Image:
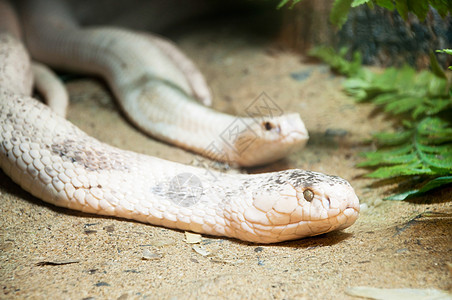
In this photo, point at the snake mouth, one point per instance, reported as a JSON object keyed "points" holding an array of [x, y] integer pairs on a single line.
{"points": [[271, 233], [297, 135], [351, 213], [352, 207]]}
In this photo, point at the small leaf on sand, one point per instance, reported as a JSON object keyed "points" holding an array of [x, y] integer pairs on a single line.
{"points": [[393, 294], [148, 255], [57, 262], [200, 250], [192, 238]]}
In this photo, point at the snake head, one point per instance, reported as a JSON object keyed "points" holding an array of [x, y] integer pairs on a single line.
{"points": [[294, 204], [267, 139]]}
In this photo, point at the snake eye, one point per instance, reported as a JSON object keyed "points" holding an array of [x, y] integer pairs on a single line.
{"points": [[268, 125], [308, 195]]}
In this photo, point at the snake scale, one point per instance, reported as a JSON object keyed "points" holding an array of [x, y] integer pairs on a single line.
{"points": [[57, 162]]}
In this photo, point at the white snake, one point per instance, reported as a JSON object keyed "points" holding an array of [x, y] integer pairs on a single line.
{"points": [[60, 164]]}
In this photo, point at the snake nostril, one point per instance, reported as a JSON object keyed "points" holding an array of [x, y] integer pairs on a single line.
{"points": [[329, 201]]}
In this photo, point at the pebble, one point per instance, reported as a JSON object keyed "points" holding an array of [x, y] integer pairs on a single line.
{"points": [[102, 283], [363, 207], [200, 250], [403, 250], [301, 75], [109, 228], [378, 202], [332, 132], [148, 255]]}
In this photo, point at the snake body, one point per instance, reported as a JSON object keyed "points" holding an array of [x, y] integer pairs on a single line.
{"points": [[55, 161]]}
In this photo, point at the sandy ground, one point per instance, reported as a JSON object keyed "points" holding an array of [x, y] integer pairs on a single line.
{"points": [[392, 245]]}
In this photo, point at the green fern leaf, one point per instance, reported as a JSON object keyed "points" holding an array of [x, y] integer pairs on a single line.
{"points": [[384, 98], [434, 106], [388, 4], [431, 185], [431, 124], [419, 8], [438, 161], [434, 130], [401, 196], [389, 160], [402, 8], [338, 62], [392, 138], [400, 170], [284, 2], [438, 87], [435, 183], [339, 12], [448, 51], [436, 68], [356, 3], [402, 105], [404, 78], [443, 149], [418, 111], [442, 6], [386, 81], [400, 150]]}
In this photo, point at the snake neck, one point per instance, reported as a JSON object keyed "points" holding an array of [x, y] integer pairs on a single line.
{"points": [[171, 115]]}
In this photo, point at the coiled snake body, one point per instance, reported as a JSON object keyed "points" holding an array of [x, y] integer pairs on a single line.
{"points": [[58, 163]]}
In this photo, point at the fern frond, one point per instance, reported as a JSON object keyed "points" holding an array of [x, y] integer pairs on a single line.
{"points": [[422, 148]]}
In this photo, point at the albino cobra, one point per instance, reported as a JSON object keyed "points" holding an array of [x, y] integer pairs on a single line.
{"points": [[153, 93], [60, 164]]}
